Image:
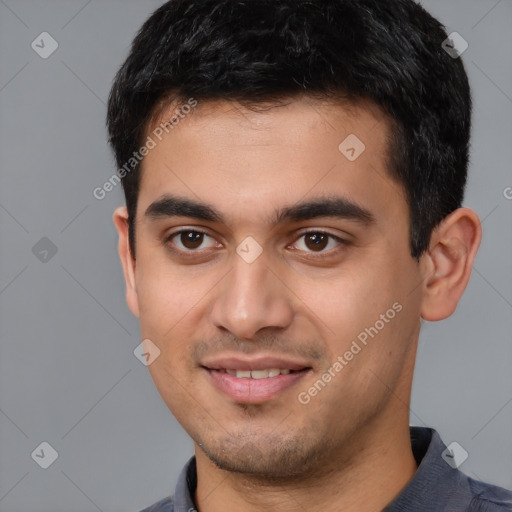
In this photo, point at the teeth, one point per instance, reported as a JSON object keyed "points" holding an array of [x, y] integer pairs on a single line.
{"points": [[258, 374]]}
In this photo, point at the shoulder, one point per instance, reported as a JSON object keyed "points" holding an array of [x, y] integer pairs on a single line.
{"points": [[165, 505], [489, 498]]}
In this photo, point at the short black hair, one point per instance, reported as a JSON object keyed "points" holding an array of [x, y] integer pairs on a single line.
{"points": [[253, 51]]}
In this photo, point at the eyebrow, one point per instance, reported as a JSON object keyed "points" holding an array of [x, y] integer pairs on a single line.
{"points": [[331, 206]]}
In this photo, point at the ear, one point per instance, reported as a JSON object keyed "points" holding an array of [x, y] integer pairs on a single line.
{"points": [[120, 218], [448, 263]]}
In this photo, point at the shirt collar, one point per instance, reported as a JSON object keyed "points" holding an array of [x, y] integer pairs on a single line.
{"points": [[435, 484], [186, 488]]}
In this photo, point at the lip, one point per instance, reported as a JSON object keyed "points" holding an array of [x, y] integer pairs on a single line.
{"points": [[253, 391], [259, 363]]}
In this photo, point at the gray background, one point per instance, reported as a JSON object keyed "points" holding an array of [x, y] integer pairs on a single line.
{"points": [[68, 375]]}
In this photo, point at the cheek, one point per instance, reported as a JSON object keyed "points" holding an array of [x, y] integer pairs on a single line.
{"points": [[173, 302], [166, 292], [364, 311], [163, 314], [346, 301], [166, 318]]}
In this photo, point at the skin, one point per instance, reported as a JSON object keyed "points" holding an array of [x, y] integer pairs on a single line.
{"points": [[353, 435]]}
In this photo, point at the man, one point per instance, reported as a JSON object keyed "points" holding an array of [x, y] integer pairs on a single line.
{"points": [[294, 173]]}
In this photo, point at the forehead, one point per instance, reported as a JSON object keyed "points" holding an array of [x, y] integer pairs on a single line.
{"points": [[245, 159], [289, 118]]}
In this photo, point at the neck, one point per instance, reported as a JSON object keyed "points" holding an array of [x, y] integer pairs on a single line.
{"points": [[365, 475]]}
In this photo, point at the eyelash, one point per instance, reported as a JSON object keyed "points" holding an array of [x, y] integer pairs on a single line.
{"points": [[313, 254]]}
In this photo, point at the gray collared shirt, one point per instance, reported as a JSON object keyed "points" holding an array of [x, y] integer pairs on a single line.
{"points": [[435, 487]]}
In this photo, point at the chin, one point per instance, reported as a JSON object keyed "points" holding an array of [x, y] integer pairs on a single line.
{"points": [[267, 459]]}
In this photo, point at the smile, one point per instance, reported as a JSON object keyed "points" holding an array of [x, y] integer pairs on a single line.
{"points": [[254, 386], [257, 374]]}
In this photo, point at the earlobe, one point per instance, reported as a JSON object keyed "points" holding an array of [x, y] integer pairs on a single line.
{"points": [[120, 218], [453, 247]]}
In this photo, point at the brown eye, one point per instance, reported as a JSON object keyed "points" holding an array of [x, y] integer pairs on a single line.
{"points": [[316, 241], [188, 240], [191, 239]]}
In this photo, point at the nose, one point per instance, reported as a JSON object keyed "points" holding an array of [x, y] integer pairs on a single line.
{"points": [[251, 297]]}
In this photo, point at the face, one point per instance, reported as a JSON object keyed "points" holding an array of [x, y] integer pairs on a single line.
{"points": [[273, 273]]}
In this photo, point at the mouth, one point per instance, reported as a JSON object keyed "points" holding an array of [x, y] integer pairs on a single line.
{"points": [[254, 381], [258, 374]]}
